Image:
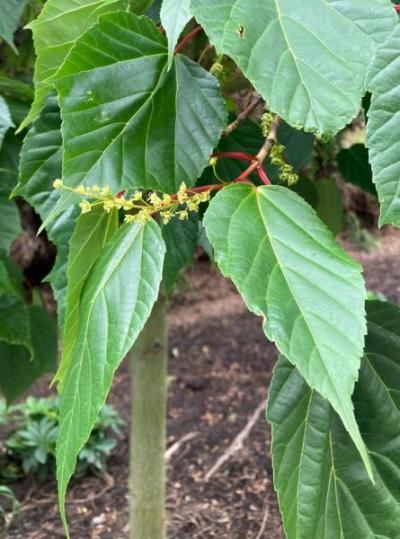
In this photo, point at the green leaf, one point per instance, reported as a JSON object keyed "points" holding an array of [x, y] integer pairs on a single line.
{"points": [[18, 89], [354, 167], [40, 165], [116, 302], [41, 160], [10, 277], [322, 485], [10, 224], [14, 322], [298, 145], [204, 242], [127, 120], [384, 315], [175, 14], [154, 11], [59, 24], [181, 239], [9, 160], [18, 109], [330, 206], [289, 270], [10, 14], [60, 232], [383, 128], [297, 53], [91, 233], [140, 6], [307, 189], [5, 119], [17, 369]]}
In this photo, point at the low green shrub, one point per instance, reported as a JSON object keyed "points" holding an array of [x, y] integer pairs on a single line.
{"points": [[30, 444]]}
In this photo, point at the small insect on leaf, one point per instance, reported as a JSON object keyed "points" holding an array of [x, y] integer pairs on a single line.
{"points": [[241, 30]]}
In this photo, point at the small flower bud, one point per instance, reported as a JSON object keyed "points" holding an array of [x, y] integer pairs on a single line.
{"points": [[108, 205], [85, 206], [58, 184], [81, 190], [166, 216], [138, 195]]}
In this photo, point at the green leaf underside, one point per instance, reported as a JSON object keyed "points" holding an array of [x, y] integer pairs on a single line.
{"points": [[14, 321], [141, 6], [175, 14], [180, 239], [330, 206], [323, 489], [9, 160], [15, 88], [41, 159], [116, 301], [307, 189], [5, 119], [297, 53], [11, 11], [61, 232], [383, 128], [17, 369], [59, 24], [128, 122], [18, 109], [289, 270], [355, 168], [10, 224], [91, 233], [40, 165], [10, 277]]}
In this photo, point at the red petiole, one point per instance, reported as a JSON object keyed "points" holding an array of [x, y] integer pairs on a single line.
{"points": [[188, 37], [255, 166]]}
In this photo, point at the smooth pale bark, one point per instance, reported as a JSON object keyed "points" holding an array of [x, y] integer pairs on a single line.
{"points": [[148, 430]]}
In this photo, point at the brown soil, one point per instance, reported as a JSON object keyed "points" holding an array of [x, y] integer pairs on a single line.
{"points": [[220, 367]]}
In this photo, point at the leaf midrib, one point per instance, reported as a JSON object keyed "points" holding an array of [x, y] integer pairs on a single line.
{"points": [[80, 362], [121, 133], [37, 23], [322, 362]]}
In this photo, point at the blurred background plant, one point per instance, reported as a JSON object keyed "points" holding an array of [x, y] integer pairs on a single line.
{"points": [[9, 508], [30, 441]]}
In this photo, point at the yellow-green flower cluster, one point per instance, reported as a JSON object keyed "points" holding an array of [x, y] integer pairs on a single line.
{"points": [[217, 69], [222, 68], [140, 207], [286, 173], [267, 120]]}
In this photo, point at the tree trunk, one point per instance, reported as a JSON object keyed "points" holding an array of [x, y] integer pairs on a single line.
{"points": [[148, 431]]}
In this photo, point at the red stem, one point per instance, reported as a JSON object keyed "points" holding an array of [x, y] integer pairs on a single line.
{"points": [[255, 165], [204, 188], [187, 38], [263, 176], [235, 155], [397, 8], [250, 159]]}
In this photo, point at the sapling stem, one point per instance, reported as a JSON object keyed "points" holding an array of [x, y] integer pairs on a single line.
{"points": [[147, 482]]}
